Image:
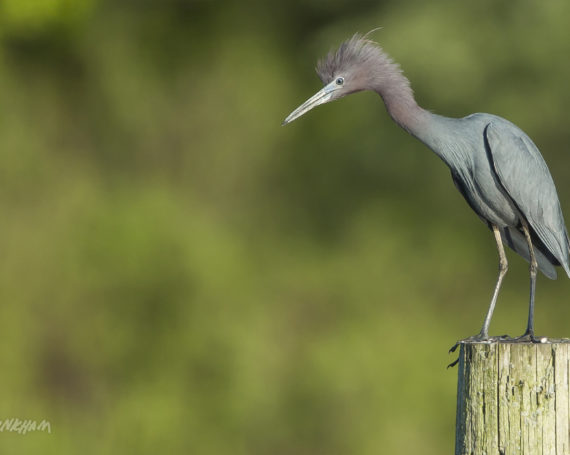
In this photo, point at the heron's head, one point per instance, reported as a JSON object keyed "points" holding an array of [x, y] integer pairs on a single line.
{"points": [[358, 64]]}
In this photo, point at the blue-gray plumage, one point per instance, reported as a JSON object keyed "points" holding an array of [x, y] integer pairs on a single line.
{"points": [[494, 164]]}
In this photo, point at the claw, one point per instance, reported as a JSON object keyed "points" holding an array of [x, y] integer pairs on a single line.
{"points": [[479, 337], [452, 364], [484, 338]]}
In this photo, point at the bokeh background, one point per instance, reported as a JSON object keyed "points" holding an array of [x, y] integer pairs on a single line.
{"points": [[181, 274]]}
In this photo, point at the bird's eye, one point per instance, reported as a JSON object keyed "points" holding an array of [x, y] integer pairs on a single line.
{"points": [[339, 80]]}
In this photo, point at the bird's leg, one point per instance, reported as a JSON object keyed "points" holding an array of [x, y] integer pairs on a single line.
{"points": [[503, 267], [483, 335], [529, 334]]}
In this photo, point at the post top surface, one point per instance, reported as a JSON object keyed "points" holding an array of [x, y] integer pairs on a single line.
{"points": [[497, 340]]}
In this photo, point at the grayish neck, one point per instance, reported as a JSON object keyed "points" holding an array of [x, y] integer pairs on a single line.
{"points": [[435, 131], [399, 99]]}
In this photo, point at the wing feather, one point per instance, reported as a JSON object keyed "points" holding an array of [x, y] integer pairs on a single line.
{"points": [[527, 180]]}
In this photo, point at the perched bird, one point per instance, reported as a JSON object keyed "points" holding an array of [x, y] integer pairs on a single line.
{"points": [[493, 163]]}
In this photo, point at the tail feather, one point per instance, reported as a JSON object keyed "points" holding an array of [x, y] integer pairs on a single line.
{"points": [[566, 265]]}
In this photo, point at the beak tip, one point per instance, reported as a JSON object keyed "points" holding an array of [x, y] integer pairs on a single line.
{"points": [[322, 96]]}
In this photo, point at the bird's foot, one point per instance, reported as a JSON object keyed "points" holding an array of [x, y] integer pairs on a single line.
{"points": [[479, 338], [529, 337]]}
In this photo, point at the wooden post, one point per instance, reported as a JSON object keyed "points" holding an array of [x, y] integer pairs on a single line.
{"points": [[513, 398]]}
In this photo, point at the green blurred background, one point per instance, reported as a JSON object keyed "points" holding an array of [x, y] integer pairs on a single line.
{"points": [[181, 274]]}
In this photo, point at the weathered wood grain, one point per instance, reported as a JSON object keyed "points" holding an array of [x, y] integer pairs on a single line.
{"points": [[513, 398]]}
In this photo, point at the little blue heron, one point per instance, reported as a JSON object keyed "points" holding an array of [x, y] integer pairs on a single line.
{"points": [[493, 163]]}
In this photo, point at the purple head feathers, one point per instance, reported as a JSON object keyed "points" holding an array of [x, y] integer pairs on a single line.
{"points": [[361, 64], [363, 61]]}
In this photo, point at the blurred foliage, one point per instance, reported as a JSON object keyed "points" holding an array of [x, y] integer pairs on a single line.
{"points": [[180, 274]]}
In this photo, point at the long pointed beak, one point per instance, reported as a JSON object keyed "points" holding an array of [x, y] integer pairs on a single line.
{"points": [[321, 97]]}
